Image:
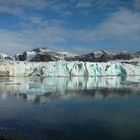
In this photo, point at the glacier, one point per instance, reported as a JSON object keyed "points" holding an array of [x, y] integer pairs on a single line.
{"points": [[10, 68]]}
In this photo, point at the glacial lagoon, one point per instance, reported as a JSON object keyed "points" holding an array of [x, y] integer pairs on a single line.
{"points": [[75, 108]]}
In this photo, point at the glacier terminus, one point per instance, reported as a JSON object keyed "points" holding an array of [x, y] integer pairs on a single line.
{"points": [[67, 68]]}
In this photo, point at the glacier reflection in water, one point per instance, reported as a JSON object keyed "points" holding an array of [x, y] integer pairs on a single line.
{"points": [[38, 89], [62, 108]]}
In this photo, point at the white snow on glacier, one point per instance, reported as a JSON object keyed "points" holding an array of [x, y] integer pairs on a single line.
{"points": [[67, 68]]}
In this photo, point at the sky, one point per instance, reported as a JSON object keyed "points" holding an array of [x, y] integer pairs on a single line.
{"points": [[77, 26]]}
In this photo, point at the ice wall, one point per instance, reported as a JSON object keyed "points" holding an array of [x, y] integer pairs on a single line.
{"points": [[65, 68]]}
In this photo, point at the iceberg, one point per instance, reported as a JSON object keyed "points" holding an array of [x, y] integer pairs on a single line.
{"points": [[9, 68]]}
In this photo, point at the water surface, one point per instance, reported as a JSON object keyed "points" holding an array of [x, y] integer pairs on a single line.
{"points": [[77, 108]]}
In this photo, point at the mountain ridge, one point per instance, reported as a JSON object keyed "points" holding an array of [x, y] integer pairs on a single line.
{"points": [[45, 55]]}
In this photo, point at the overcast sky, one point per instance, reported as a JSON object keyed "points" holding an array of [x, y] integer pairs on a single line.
{"points": [[72, 25]]}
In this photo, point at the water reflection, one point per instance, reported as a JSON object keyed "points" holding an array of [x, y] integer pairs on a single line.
{"points": [[51, 88], [71, 108]]}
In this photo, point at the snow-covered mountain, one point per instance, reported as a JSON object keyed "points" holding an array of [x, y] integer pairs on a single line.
{"points": [[137, 54], [5, 57], [45, 55]]}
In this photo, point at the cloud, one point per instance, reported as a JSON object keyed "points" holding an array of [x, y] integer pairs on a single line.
{"points": [[11, 42], [22, 7], [36, 22], [38, 4], [121, 25], [27, 38], [137, 4], [84, 4], [98, 3], [38, 31], [11, 10]]}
